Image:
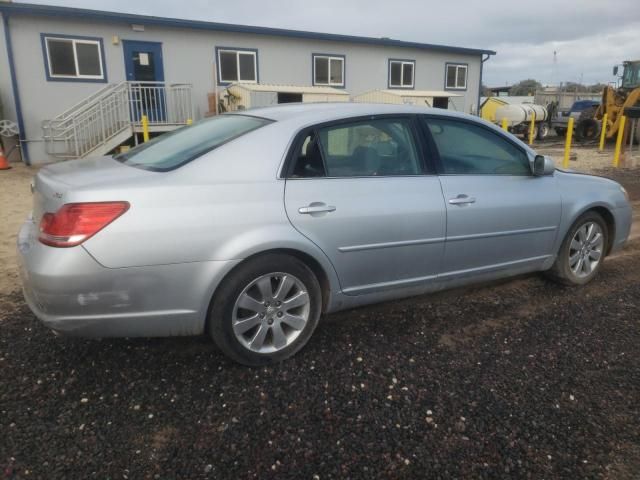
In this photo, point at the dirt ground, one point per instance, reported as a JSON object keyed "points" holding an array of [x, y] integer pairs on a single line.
{"points": [[587, 158], [516, 379], [15, 205]]}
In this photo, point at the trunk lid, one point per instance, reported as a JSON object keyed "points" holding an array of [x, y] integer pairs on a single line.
{"points": [[53, 183]]}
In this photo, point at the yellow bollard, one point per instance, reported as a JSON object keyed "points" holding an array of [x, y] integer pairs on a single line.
{"points": [[567, 144], [603, 132], [504, 125], [189, 121], [145, 128], [616, 155], [531, 127]]}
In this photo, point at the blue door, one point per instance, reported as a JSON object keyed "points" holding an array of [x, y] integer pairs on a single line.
{"points": [[143, 67]]}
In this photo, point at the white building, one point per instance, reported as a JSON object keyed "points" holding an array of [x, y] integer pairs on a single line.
{"points": [[78, 81]]}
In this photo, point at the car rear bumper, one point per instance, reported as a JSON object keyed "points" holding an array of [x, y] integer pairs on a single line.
{"points": [[71, 293]]}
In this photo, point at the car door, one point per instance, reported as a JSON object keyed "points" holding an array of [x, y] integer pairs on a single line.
{"points": [[499, 215], [358, 190]]}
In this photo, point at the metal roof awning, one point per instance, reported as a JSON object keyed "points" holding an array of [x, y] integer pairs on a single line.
{"points": [[421, 93], [262, 87]]}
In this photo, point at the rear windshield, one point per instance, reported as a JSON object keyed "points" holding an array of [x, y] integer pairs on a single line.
{"points": [[172, 150]]}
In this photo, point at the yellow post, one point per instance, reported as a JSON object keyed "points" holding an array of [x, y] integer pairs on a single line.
{"points": [[616, 155], [531, 127], [189, 121], [567, 144], [504, 124], [603, 132], [145, 128]]}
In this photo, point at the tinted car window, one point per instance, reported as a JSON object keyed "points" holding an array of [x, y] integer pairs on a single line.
{"points": [[174, 149], [369, 148], [308, 159], [468, 149]]}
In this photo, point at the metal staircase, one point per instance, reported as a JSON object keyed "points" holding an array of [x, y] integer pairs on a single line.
{"points": [[112, 115]]}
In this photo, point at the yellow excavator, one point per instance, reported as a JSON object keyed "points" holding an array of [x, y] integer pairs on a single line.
{"points": [[614, 102]]}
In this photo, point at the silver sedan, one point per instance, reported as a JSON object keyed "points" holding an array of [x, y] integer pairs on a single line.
{"points": [[249, 226]]}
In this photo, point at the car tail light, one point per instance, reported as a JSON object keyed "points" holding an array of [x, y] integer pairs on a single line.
{"points": [[74, 223]]}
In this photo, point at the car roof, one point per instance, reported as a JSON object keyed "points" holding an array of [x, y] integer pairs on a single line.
{"points": [[321, 112]]}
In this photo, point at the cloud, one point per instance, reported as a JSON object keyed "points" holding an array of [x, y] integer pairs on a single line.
{"points": [[589, 35], [587, 59]]}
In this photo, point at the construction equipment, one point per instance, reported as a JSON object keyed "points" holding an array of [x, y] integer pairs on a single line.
{"points": [[614, 101]]}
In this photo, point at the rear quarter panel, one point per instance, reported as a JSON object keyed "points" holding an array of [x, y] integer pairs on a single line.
{"points": [[226, 205]]}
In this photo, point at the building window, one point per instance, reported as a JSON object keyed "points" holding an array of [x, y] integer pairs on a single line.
{"points": [[401, 73], [237, 66], [73, 58], [328, 70], [456, 76]]}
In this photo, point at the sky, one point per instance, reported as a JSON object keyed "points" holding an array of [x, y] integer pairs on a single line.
{"points": [[588, 36]]}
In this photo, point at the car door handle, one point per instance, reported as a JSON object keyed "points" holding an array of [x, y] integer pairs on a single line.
{"points": [[316, 208], [462, 199]]}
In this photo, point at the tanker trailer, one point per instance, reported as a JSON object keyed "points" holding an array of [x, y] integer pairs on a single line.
{"points": [[518, 118]]}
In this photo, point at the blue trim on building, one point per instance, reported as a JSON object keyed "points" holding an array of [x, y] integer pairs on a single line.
{"points": [[24, 151], [86, 14], [399, 87], [234, 49], [466, 78], [334, 55], [154, 47], [47, 73]]}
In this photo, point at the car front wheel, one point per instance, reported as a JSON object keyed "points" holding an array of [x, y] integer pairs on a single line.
{"points": [[266, 310], [582, 251]]}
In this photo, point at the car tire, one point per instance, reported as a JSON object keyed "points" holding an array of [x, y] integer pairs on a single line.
{"points": [[570, 267], [254, 321], [587, 128], [561, 132], [543, 131]]}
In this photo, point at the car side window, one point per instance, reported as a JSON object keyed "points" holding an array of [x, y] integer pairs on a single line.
{"points": [[377, 147], [467, 149], [308, 159]]}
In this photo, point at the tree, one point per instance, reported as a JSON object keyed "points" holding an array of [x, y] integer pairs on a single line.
{"points": [[525, 87], [596, 88], [574, 87]]}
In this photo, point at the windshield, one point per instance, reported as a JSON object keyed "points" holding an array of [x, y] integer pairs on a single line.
{"points": [[174, 149], [631, 75]]}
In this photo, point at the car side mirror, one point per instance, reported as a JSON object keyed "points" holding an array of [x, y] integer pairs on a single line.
{"points": [[543, 165], [615, 70]]}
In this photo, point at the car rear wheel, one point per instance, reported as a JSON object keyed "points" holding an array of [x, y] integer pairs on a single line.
{"points": [[266, 310], [582, 251]]}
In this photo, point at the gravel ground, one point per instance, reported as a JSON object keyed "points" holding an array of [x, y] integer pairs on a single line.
{"points": [[517, 379]]}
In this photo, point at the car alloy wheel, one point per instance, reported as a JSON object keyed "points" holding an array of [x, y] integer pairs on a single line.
{"points": [[271, 312], [585, 250]]}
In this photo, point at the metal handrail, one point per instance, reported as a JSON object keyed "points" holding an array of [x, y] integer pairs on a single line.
{"points": [[106, 90], [92, 123]]}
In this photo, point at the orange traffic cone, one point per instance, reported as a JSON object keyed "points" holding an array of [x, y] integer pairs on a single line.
{"points": [[4, 164]]}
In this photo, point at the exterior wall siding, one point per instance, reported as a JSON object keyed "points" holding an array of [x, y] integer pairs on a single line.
{"points": [[6, 97], [188, 57]]}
